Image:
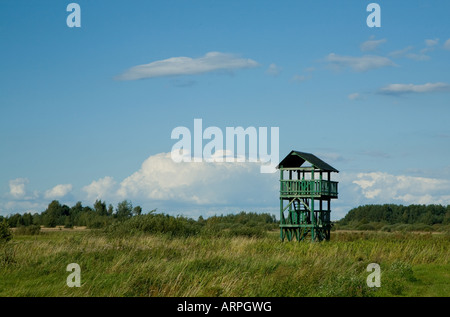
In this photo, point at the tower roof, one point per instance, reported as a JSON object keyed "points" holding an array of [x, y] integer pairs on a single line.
{"points": [[296, 159]]}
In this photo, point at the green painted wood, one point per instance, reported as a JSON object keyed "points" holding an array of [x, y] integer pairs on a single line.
{"points": [[308, 188], [299, 199]]}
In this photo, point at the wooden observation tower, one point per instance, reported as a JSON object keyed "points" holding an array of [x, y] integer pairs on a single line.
{"points": [[305, 193]]}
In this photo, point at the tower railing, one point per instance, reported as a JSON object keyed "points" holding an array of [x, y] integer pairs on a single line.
{"points": [[315, 187]]}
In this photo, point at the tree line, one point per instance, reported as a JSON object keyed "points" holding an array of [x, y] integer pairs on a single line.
{"points": [[57, 214], [125, 215], [101, 215], [398, 214]]}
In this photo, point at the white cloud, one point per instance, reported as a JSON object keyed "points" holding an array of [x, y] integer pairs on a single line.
{"points": [[192, 188], [359, 64], [407, 53], [58, 191], [330, 156], [447, 44], [418, 57], [431, 43], [273, 70], [381, 187], [401, 53], [200, 183], [300, 78], [21, 206], [430, 46], [17, 187], [19, 199], [398, 89], [100, 189], [175, 66], [354, 96], [371, 45]]}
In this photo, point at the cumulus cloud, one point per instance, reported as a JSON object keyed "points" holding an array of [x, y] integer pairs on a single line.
{"points": [[17, 187], [358, 64], [100, 189], [201, 183], [175, 66], [19, 199], [206, 186], [384, 187], [192, 188], [21, 206], [399, 89], [371, 45], [58, 191]]}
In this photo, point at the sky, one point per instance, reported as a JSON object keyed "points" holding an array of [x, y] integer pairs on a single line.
{"points": [[87, 112]]}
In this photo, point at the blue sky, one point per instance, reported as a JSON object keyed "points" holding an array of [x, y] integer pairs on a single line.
{"points": [[76, 123]]}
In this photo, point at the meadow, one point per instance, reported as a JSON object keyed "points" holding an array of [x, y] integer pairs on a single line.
{"points": [[156, 264]]}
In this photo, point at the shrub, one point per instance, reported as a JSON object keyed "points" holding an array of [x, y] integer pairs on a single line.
{"points": [[6, 249], [243, 224], [244, 231], [365, 226], [420, 227], [155, 223], [28, 230], [5, 232]]}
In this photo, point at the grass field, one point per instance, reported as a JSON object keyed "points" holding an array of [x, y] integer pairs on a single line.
{"points": [[158, 265]]}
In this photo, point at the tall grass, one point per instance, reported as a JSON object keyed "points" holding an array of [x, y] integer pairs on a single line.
{"points": [[165, 265]]}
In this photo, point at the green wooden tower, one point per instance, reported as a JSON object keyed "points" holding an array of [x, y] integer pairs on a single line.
{"points": [[306, 191]]}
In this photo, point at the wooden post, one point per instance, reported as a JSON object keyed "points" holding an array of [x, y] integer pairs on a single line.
{"points": [[282, 222]]}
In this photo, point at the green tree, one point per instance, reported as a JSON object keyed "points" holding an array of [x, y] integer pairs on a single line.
{"points": [[68, 223], [137, 210], [75, 213], [110, 210], [15, 220], [100, 208], [52, 214], [5, 232], [77, 208], [124, 209], [27, 219]]}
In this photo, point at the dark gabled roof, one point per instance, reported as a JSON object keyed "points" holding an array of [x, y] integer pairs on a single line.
{"points": [[296, 159]]}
